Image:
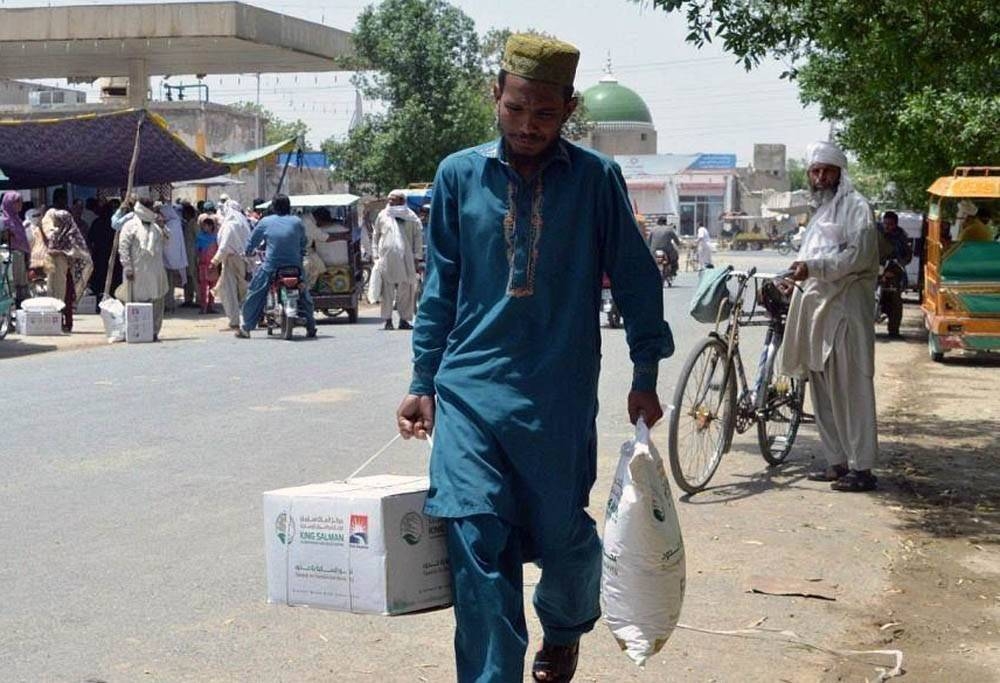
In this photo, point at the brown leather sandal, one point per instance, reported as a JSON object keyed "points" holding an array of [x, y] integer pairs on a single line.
{"points": [[555, 663]]}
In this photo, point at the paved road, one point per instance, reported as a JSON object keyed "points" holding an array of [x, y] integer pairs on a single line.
{"points": [[132, 531]]}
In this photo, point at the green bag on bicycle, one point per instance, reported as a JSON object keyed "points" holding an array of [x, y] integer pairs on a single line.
{"points": [[711, 295]]}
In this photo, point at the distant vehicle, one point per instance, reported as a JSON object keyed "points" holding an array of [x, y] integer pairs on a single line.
{"points": [[961, 294], [339, 289]]}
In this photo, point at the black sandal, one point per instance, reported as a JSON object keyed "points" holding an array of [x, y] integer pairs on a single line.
{"points": [[832, 473], [856, 481], [556, 663]]}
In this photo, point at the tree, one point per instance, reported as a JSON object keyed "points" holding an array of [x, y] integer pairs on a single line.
{"points": [[424, 61], [913, 87], [275, 129], [796, 169]]}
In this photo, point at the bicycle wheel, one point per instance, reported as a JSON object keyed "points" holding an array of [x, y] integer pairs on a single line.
{"points": [[703, 415], [779, 414], [5, 320]]}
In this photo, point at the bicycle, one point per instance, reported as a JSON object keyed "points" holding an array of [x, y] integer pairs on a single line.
{"points": [[707, 410]]}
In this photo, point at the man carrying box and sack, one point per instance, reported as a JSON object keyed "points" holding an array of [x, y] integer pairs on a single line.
{"points": [[506, 362]]}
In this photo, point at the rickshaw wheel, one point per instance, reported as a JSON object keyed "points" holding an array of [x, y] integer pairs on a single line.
{"points": [[936, 356], [352, 315]]}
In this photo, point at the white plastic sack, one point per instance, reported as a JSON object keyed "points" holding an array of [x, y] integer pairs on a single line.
{"points": [[113, 317], [375, 283], [642, 580], [43, 304]]}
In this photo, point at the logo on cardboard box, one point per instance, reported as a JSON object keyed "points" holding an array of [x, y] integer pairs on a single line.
{"points": [[411, 528], [359, 531], [284, 526]]}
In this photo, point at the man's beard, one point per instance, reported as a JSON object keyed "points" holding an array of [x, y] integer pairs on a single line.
{"points": [[818, 197]]}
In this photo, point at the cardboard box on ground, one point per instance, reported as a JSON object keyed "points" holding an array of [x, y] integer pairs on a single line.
{"points": [[39, 323], [138, 322], [363, 545]]}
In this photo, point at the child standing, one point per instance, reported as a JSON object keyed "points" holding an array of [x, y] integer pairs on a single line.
{"points": [[207, 244]]}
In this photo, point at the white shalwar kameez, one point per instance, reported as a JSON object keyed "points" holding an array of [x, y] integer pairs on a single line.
{"points": [[396, 240], [233, 236], [704, 248], [830, 331], [140, 248]]}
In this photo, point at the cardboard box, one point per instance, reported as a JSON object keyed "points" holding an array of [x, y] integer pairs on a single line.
{"points": [[39, 323], [362, 545], [138, 322], [86, 305]]}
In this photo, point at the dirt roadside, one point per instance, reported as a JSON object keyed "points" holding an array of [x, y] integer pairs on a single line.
{"points": [[939, 438]]}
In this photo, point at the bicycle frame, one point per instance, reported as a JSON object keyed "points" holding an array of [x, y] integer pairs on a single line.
{"points": [[738, 318]]}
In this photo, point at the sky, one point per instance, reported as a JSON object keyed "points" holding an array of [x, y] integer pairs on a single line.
{"points": [[700, 100]]}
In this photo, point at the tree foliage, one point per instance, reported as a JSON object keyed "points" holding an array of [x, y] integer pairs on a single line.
{"points": [[276, 129], [425, 67], [425, 63], [796, 169], [913, 86]]}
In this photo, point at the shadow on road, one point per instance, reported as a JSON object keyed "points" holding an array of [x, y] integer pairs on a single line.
{"points": [[16, 348], [766, 479], [946, 476]]}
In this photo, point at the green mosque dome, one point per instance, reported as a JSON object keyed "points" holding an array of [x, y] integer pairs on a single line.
{"points": [[610, 101]]}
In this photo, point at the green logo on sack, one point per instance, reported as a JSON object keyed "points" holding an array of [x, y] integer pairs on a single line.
{"points": [[658, 513], [411, 528], [284, 526]]}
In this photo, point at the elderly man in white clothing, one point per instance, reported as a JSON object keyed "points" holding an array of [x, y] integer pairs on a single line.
{"points": [[233, 236], [140, 248], [398, 246], [830, 332]]}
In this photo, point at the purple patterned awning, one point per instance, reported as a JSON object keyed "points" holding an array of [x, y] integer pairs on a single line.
{"points": [[95, 150]]}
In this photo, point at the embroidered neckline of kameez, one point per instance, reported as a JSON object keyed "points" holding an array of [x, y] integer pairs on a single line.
{"points": [[495, 150]]}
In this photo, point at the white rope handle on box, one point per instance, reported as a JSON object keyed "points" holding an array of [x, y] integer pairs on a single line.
{"points": [[369, 461]]}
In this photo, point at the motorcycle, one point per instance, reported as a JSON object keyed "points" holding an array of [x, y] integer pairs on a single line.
{"points": [[889, 296], [282, 309], [608, 305], [791, 241], [667, 266]]}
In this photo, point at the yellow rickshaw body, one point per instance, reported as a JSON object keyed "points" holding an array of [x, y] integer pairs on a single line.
{"points": [[961, 294]]}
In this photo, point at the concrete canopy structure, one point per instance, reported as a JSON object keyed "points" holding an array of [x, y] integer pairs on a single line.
{"points": [[174, 38]]}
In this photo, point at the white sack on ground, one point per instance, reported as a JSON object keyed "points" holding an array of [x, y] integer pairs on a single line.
{"points": [[642, 582]]}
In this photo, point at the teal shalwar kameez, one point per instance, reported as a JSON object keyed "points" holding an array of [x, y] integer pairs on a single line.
{"points": [[507, 338]]}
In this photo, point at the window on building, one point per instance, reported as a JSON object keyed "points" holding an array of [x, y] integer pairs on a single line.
{"points": [[700, 210]]}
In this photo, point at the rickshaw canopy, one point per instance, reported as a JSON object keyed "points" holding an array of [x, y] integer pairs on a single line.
{"points": [[969, 182], [304, 201]]}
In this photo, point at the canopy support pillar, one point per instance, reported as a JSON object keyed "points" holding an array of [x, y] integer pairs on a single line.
{"points": [[138, 83]]}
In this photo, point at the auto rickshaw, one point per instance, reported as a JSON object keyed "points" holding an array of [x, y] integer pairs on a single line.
{"points": [[339, 288], [961, 297]]}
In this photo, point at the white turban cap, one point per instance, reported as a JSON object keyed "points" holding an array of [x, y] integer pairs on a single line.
{"points": [[825, 153], [398, 193], [967, 208]]}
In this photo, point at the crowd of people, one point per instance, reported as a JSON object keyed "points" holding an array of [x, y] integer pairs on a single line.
{"points": [[66, 250]]}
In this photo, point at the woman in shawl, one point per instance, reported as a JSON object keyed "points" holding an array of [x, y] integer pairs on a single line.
{"points": [[20, 249], [69, 262]]}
